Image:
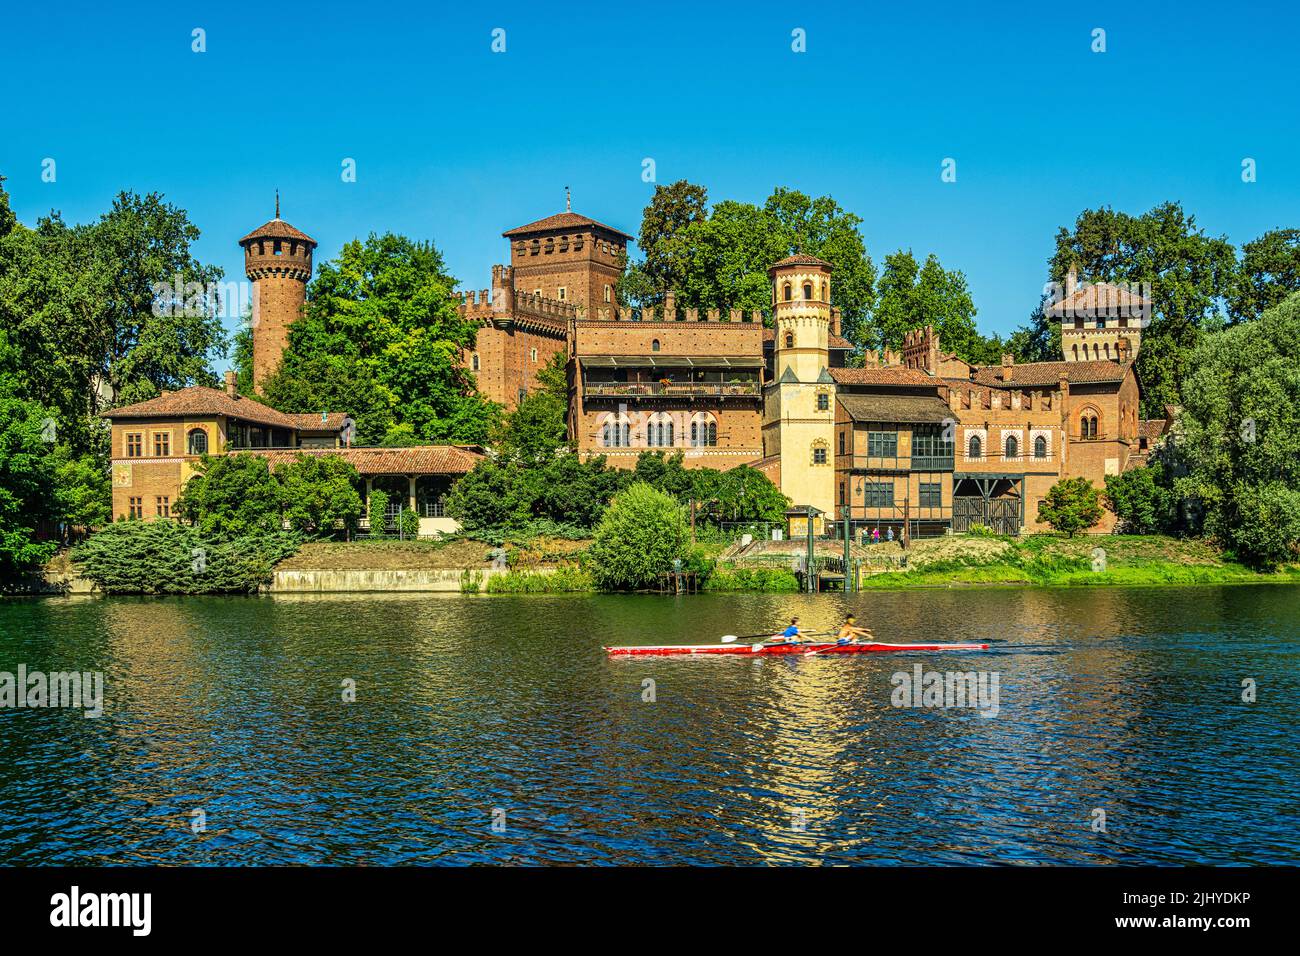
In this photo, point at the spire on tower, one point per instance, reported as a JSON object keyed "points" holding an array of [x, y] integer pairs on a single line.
{"points": [[277, 204], [568, 203]]}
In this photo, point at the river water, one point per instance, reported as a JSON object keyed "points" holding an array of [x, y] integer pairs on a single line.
{"points": [[494, 729]]}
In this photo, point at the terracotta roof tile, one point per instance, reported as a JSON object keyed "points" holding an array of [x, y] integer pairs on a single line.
{"points": [[311, 421], [277, 229], [201, 400], [1151, 427], [895, 408], [1050, 373], [800, 259], [412, 460], [563, 220], [1097, 298], [882, 375]]}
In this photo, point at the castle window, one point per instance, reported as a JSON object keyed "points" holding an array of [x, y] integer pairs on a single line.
{"points": [[162, 505], [654, 346], [807, 290], [1040, 447], [882, 444], [561, 293], [931, 494], [975, 449], [276, 250], [789, 340], [787, 292], [134, 445], [197, 441], [819, 454], [1013, 447], [1088, 426], [532, 355], [704, 432], [615, 434], [878, 494], [841, 494], [841, 443], [823, 402], [659, 433], [609, 294], [136, 507], [474, 362], [162, 444]]}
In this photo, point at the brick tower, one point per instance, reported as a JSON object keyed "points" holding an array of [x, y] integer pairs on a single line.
{"points": [[799, 405], [277, 260]]}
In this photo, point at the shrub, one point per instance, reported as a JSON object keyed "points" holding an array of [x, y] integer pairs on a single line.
{"points": [[1141, 500], [165, 557], [377, 511], [638, 539], [408, 522], [231, 496], [318, 494], [771, 580], [565, 578], [1072, 505]]}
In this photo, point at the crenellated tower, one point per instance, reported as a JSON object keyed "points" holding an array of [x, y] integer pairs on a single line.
{"points": [[277, 260], [799, 405]]}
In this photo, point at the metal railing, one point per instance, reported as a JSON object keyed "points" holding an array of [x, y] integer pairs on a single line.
{"points": [[672, 389]]}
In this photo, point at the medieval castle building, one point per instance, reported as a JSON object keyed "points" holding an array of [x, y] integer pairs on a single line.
{"points": [[920, 441]]}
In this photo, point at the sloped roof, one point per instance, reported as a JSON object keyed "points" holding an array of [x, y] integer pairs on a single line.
{"points": [[412, 460], [800, 259], [1152, 427], [882, 375], [1096, 299], [895, 408], [201, 400], [311, 421], [1050, 373], [277, 229], [563, 220]]}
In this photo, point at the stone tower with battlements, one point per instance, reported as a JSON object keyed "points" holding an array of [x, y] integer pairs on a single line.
{"points": [[277, 260], [799, 405]]}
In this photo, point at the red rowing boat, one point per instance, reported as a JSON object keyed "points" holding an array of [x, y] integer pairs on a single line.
{"points": [[752, 649]]}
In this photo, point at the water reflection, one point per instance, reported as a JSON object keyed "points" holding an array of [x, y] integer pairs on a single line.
{"points": [[1123, 700]]}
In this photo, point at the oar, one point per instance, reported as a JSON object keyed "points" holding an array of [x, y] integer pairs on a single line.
{"points": [[732, 638], [826, 650]]}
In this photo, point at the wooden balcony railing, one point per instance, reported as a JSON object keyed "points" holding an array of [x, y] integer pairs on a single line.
{"points": [[673, 389]]}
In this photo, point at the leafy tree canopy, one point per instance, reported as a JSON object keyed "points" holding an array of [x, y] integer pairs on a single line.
{"points": [[381, 319], [1268, 273], [1071, 505], [639, 537]]}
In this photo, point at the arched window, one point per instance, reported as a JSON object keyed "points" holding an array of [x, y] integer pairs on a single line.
{"points": [[1013, 447], [615, 433], [1088, 426], [1040, 447], [654, 346], [975, 450], [704, 432], [807, 290], [789, 340], [659, 433], [787, 292], [197, 441]]}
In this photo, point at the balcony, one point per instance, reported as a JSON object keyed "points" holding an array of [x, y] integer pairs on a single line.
{"points": [[896, 462], [672, 389]]}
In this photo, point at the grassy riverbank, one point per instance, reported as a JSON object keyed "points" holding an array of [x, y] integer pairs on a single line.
{"points": [[1043, 560]]}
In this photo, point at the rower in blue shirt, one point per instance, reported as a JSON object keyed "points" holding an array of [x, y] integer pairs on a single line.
{"points": [[790, 635]]}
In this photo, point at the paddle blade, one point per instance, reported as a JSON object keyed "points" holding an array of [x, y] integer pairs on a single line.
{"points": [[729, 638]]}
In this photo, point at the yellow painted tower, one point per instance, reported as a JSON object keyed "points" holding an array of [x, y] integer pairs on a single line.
{"points": [[799, 404], [277, 260]]}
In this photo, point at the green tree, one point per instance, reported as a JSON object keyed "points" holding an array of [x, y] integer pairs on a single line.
{"points": [[383, 311], [1071, 505], [83, 489], [745, 494], [488, 499], [721, 260], [1189, 273], [231, 496], [640, 535], [1268, 273], [340, 384], [536, 430], [670, 211], [912, 296], [27, 499], [1239, 434], [1142, 499], [318, 494]]}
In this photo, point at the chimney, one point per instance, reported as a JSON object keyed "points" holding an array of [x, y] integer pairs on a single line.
{"points": [[1071, 281], [230, 383]]}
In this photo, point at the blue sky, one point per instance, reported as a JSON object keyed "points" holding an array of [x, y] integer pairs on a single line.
{"points": [[456, 144]]}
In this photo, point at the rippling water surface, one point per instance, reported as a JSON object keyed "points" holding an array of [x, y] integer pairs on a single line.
{"points": [[1124, 700]]}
